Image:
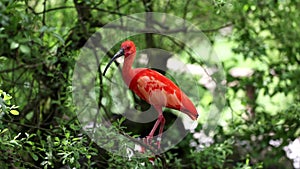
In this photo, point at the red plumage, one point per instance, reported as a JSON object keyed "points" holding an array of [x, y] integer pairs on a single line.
{"points": [[147, 81], [153, 87]]}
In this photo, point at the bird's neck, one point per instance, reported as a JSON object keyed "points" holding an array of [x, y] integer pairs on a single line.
{"points": [[127, 70]]}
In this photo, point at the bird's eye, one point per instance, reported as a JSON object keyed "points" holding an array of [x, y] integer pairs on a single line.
{"points": [[128, 47]]}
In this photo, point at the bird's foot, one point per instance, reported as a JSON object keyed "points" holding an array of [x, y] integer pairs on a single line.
{"points": [[148, 142], [149, 139], [158, 142]]}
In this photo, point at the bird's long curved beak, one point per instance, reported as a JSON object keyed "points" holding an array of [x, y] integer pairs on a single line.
{"points": [[117, 55]]}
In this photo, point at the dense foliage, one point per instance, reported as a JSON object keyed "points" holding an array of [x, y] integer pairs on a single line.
{"points": [[41, 40]]}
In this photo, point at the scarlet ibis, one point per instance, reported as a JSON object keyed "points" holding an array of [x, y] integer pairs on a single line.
{"points": [[153, 87]]}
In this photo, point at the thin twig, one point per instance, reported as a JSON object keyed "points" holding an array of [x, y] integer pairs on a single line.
{"points": [[171, 31], [21, 66]]}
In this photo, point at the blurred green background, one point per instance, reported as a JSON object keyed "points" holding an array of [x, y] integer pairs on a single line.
{"points": [[257, 43]]}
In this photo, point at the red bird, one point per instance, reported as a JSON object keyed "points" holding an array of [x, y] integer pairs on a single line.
{"points": [[153, 87]]}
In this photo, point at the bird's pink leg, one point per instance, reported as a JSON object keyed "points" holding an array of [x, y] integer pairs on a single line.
{"points": [[160, 121], [161, 129]]}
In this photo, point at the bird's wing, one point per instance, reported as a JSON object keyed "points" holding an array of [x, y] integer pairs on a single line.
{"points": [[156, 89]]}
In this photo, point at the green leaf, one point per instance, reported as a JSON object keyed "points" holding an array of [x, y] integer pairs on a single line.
{"points": [[14, 112], [17, 136], [30, 143], [62, 41], [76, 139], [34, 156], [14, 45], [67, 135], [3, 131], [13, 142], [56, 139], [88, 156], [14, 107], [6, 97], [25, 49]]}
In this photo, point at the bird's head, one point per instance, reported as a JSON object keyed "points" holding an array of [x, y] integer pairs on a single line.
{"points": [[127, 49]]}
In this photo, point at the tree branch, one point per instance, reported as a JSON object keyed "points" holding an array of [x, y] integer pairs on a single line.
{"points": [[20, 67]]}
